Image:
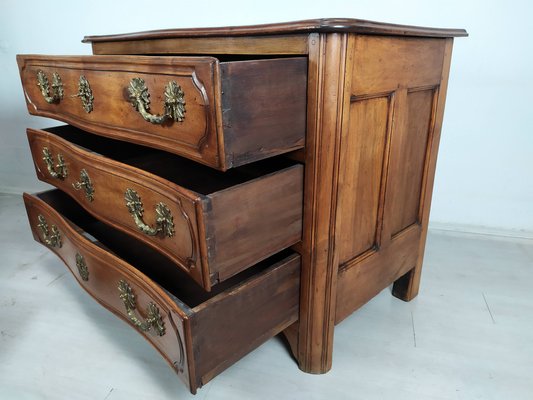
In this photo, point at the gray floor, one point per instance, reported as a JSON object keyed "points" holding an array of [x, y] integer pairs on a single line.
{"points": [[469, 334]]}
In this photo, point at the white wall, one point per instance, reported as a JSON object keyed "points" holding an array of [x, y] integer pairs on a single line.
{"points": [[484, 173]]}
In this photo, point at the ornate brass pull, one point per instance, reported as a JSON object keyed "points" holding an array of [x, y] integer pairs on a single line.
{"points": [[51, 239], [82, 267], [58, 171], [174, 101], [153, 316], [44, 85], [164, 222], [85, 94], [85, 184]]}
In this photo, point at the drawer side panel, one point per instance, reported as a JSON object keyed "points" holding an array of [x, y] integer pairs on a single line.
{"points": [[232, 324], [263, 108]]}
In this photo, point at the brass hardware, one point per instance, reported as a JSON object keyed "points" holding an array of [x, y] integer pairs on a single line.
{"points": [[85, 94], [180, 363], [164, 222], [82, 267], [174, 101], [153, 316], [44, 85], [53, 239], [58, 171], [86, 184]]}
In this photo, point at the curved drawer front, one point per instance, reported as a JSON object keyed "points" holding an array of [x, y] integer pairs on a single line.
{"points": [[219, 114], [210, 237], [105, 187], [101, 274], [198, 341]]}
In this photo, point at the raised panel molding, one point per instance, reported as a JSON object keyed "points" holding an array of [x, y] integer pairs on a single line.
{"points": [[363, 165], [387, 164], [409, 161]]}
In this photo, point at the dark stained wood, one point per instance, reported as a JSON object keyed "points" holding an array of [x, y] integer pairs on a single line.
{"points": [[267, 203], [330, 25], [219, 129], [361, 108], [204, 334], [291, 336], [224, 222], [384, 64], [360, 177], [365, 276], [254, 127], [406, 288], [243, 320], [412, 160], [247, 45], [405, 75], [327, 57]]}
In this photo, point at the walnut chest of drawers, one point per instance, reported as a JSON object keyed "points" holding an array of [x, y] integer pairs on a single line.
{"points": [[216, 187]]}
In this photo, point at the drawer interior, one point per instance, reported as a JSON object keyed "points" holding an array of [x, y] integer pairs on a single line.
{"points": [[148, 261], [196, 177]]}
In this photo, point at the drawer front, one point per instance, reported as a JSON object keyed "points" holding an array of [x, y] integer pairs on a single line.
{"points": [[104, 187], [114, 283], [221, 115], [210, 238], [198, 342], [113, 83]]}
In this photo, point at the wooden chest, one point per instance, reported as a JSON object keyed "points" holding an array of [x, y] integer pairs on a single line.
{"points": [[219, 186]]}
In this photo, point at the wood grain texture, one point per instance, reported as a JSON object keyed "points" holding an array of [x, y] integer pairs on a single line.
{"points": [[407, 287], [209, 225], [252, 223], [340, 25], [105, 270], [326, 99], [201, 339], [407, 71], [384, 64], [242, 45], [360, 177], [255, 126], [202, 135], [113, 115], [361, 108], [244, 319], [364, 277], [412, 143]]}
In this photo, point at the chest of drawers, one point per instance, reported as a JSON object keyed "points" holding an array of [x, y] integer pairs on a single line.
{"points": [[219, 186]]}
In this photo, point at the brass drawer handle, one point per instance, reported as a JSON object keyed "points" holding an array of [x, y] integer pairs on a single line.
{"points": [[85, 94], [82, 267], [44, 85], [164, 222], [85, 184], [52, 239], [174, 101], [58, 171], [153, 316]]}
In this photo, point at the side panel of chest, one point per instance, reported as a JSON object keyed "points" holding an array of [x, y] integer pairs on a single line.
{"points": [[385, 159]]}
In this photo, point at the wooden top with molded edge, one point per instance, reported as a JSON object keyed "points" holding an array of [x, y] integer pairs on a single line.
{"points": [[341, 25]]}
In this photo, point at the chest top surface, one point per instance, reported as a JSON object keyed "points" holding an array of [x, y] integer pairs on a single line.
{"points": [[322, 25]]}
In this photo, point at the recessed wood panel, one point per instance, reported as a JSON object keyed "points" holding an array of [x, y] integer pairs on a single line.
{"points": [[384, 64], [361, 167], [411, 146]]}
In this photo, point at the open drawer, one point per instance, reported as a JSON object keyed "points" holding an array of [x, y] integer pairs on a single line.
{"points": [[211, 224], [198, 333], [219, 113]]}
